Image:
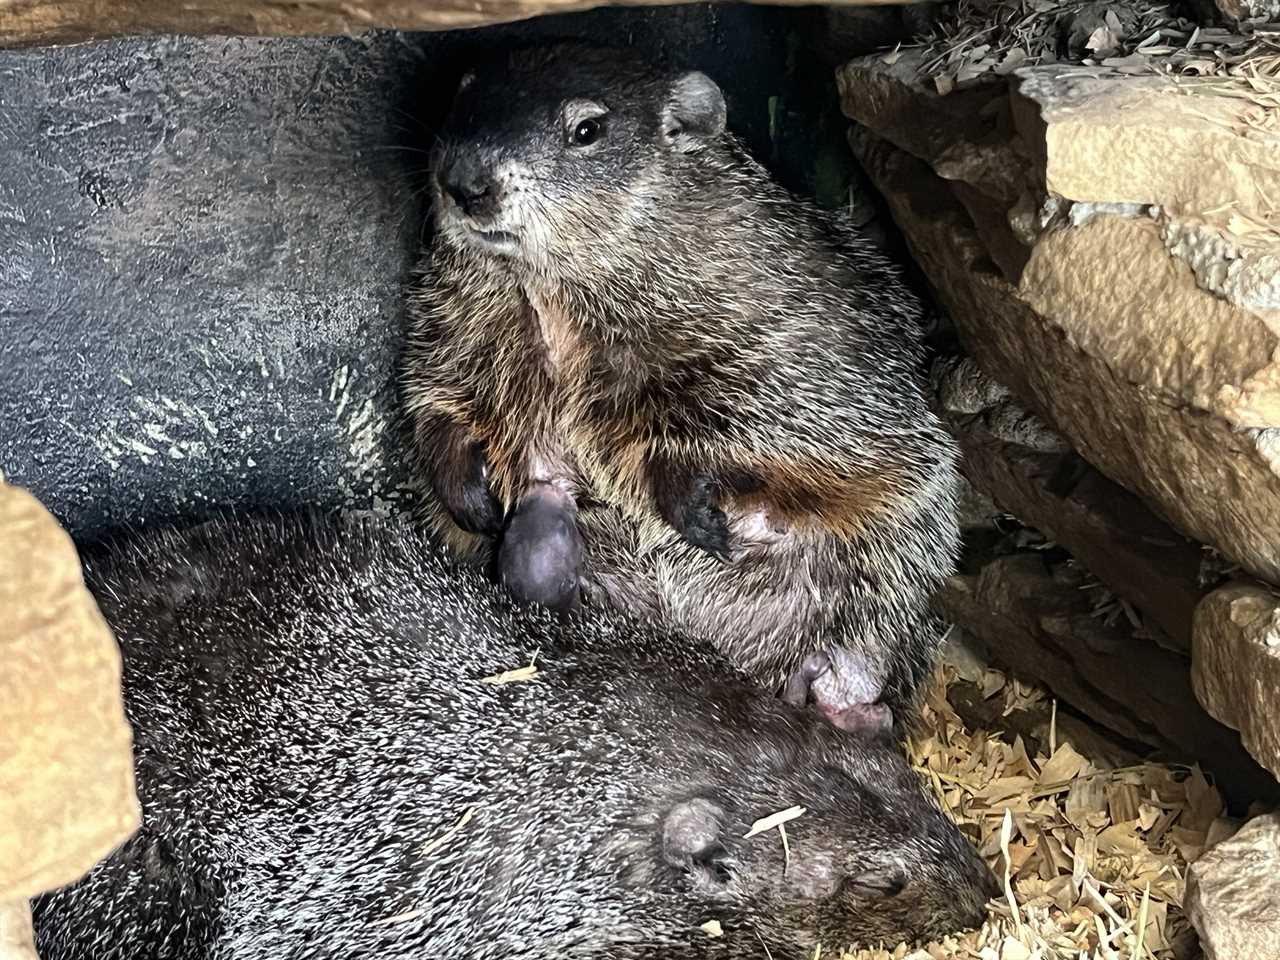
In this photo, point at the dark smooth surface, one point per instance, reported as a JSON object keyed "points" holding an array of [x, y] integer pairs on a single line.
{"points": [[204, 245]]}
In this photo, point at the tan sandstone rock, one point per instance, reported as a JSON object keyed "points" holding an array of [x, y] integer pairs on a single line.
{"points": [[1113, 291], [66, 765], [1099, 138], [1089, 141], [1233, 894], [1169, 389], [1236, 665], [29, 22], [17, 939], [1150, 377], [1109, 529]]}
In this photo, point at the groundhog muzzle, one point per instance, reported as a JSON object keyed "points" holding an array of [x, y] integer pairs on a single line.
{"points": [[325, 772], [693, 395]]}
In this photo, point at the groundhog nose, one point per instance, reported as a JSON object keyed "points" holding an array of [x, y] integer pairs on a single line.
{"points": [[470, 188]]}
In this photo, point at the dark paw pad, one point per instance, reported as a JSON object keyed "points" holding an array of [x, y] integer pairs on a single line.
{"points": [[709, 532], [540, 560], [702, 522], [464, 490]]}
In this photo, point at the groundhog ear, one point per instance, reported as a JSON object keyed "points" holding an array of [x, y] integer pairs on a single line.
{"points": [[691, 833], [695, 112]]}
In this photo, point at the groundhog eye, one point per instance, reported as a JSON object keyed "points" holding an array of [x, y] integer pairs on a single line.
{"points": [[586, 133]]}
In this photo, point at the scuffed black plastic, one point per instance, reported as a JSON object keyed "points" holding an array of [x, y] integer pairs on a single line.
{"points": [[204, 245]]}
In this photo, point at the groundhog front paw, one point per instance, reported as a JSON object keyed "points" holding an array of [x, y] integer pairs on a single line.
{"points": [[703, 523], [461, 482], [691, 504]]}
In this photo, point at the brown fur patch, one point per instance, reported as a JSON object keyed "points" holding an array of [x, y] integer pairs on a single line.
{"points": [[532, 405], [806, 496], [557, 333]]}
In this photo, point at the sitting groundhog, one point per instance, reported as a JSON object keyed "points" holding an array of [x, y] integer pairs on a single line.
{"points": [[652, 375]]}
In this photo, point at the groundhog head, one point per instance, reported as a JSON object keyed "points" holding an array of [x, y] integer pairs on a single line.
{"points": [[553, 155], [871, 857]]}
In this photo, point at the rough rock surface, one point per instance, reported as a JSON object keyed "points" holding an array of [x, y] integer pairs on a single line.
{"points": [[1099, 138], [1233, 894], [1132, 416], [1112, 290], [1034, 617], [1235, 629], [66, 766], [1236, 665], [65, 21], [1157, 351], [1166, 389], [1105, 527], [17, 939]]}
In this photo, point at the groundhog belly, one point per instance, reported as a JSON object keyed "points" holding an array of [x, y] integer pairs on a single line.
{"points": [[771, 609], [540, 554], [764, 608], [781, 597]]}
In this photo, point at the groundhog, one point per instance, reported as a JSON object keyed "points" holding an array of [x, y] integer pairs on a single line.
{"points": [[325, 770], [697, 393]]}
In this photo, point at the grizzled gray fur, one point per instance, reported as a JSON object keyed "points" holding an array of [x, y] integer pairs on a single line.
{"points": [[312, 721], [624, 320]]}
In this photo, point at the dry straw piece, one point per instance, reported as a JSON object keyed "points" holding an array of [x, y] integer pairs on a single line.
{"points": [[1093, 857], [774, 820], [449, 834], [779, 822], [518, 675]]}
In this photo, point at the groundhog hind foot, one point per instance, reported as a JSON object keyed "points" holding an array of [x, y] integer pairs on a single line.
{"points": [[840, 692], [868, 719], [540, 557]]}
